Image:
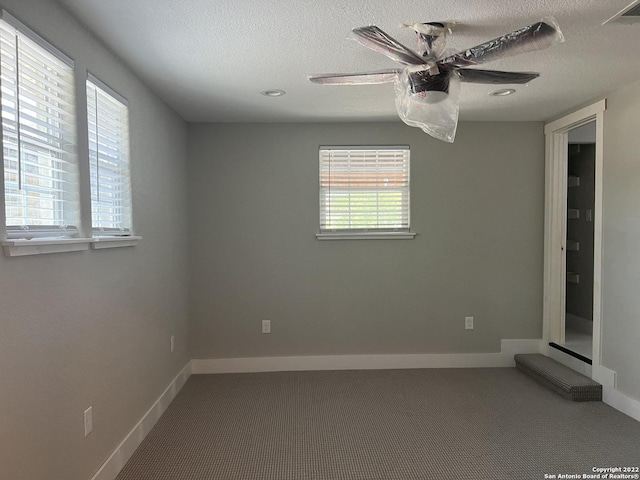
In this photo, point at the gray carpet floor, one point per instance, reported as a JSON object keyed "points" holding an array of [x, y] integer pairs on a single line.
{"points": [[380, 424]]}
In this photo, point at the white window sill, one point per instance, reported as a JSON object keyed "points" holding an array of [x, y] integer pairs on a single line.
{"points": [[21, 247], [366, 236], [99, 243]]}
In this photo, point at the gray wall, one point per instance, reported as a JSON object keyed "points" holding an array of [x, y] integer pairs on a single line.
{"points": [[621, 239], [93, 328], [477, 206]]}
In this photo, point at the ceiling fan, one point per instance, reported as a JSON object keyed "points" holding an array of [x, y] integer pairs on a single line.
{"points": [[428, 87]]}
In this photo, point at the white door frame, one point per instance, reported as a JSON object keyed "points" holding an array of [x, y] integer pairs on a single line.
{"points": [[555, 226]]}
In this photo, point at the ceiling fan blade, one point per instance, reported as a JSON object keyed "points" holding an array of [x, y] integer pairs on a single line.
{"points": [[528, 39], [365, 78], [375, 39], [495, 77]]}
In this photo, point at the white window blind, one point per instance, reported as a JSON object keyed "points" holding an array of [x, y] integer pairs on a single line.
{"points": [[108, 116], [38, 134], [364, 189]]}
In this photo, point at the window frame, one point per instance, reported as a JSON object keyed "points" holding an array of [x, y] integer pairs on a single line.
{"points": [[44, 242], [365, 234], [96, 232], [70, 159]]}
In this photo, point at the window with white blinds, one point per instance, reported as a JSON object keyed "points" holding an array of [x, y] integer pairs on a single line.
{"points": [[108, 116], [38, 135], [364, 189]]}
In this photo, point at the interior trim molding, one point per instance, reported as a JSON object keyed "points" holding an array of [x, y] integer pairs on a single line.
{"points": [[114, 464], [612, 396], [556, 177], [368, 362]]}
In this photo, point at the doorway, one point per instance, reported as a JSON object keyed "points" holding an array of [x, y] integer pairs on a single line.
{"points": [[573, 239], [581, 159]]}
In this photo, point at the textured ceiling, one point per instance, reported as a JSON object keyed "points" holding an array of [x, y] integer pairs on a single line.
{"points": [[209, 59]]}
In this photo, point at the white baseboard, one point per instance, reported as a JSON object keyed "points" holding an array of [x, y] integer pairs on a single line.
{"points": [[611, 396], [368, 362], [110, 469], [509, 348]]}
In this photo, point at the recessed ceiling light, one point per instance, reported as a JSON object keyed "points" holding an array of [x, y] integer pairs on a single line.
{"points": [[273, 93], [502, 93]]}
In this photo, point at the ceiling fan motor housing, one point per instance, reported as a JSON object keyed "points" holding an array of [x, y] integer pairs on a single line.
{"points": [[422, 82]]}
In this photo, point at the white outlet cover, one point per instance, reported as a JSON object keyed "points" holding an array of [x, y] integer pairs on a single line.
{"points": [[468, 323], [266, 326]]}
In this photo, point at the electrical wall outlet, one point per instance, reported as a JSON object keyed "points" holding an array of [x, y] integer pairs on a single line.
{"points": [[88, 421], [173, 343], [468, 323], [266, 326]]}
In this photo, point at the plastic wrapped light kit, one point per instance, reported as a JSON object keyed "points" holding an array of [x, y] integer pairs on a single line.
{"points": [[429, 102]]}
